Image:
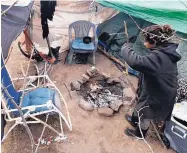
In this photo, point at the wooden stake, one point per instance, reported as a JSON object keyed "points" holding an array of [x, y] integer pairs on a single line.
{"points": [[157, 133], [126, 33], [111, 57]]}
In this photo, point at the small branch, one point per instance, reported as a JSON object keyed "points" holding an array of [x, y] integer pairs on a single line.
{"points": [[142, 109], [3, 13], [126, 33], [22, 116], [151, 33], [24, 82], [7, 87], [5, 61], [12, 83], [139, 125], [183, 3], [68, 90], [158, 135]]}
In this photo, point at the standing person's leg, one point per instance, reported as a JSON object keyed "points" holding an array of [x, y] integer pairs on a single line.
{"points": [[144, 125], [133, 120]]}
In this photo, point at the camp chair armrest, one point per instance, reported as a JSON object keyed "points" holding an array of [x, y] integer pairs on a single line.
{"points": [[30, 77]]}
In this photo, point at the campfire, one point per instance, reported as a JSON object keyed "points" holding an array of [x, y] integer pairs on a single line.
{"points": [[100, 91]]}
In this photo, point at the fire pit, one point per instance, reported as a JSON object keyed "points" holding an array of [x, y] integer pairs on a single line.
{"points": [[100, 93], [99, 90]]}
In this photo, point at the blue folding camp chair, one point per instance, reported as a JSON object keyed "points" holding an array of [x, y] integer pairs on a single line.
{"points": [[81, 29], [43, 100]]}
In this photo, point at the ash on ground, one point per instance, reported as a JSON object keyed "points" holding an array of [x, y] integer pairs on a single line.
{"points": [[100, 93]]}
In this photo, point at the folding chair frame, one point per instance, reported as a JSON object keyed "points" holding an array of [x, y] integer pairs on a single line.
{"points": [[51, 109]]}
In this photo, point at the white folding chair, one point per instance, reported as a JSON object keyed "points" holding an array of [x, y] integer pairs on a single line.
{"points": [[37, 100]]}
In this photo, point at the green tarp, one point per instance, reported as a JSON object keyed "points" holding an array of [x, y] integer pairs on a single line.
{"points": [[169, 12]]}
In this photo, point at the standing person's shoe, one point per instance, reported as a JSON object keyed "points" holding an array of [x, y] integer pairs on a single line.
{"points": [[133, 120], [136, 132]]}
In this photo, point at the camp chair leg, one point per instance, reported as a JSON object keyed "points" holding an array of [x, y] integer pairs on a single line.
{"points": [[41, 134], [70, 57], [15, 124], [62, 98], [157, 133], [94, 58], [45, 124], [69, 126], [61, 127]]}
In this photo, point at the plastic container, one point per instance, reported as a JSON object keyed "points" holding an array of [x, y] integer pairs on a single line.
{"points": [[176, 129]]}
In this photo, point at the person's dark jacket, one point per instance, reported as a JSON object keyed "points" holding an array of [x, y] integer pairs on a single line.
{"points": [[159, 79]]}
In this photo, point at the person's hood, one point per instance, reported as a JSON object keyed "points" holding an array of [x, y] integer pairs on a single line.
{"points": [[170, 50]]}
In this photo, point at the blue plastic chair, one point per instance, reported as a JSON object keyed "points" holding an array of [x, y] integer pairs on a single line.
{"points": [[81, 29]]}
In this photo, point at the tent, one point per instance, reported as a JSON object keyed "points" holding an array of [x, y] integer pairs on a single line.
{"points": [[145, 13]]}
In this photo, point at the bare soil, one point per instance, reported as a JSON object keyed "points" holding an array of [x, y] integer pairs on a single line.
{"points": [[91, 133]]}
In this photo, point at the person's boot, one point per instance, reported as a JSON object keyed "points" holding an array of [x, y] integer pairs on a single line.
{"points": [[133, 120], [136, 132]]}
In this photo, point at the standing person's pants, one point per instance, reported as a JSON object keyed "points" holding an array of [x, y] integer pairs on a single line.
{"points": [[144, 123]]}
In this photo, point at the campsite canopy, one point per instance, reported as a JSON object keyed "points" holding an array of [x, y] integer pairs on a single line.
{"points": [[158, 12]]}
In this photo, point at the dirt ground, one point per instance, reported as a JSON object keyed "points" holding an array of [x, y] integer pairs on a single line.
{"points": [[91, 133]]}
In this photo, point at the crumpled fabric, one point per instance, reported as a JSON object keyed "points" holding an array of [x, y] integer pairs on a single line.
{"points": [[47, 12]]}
